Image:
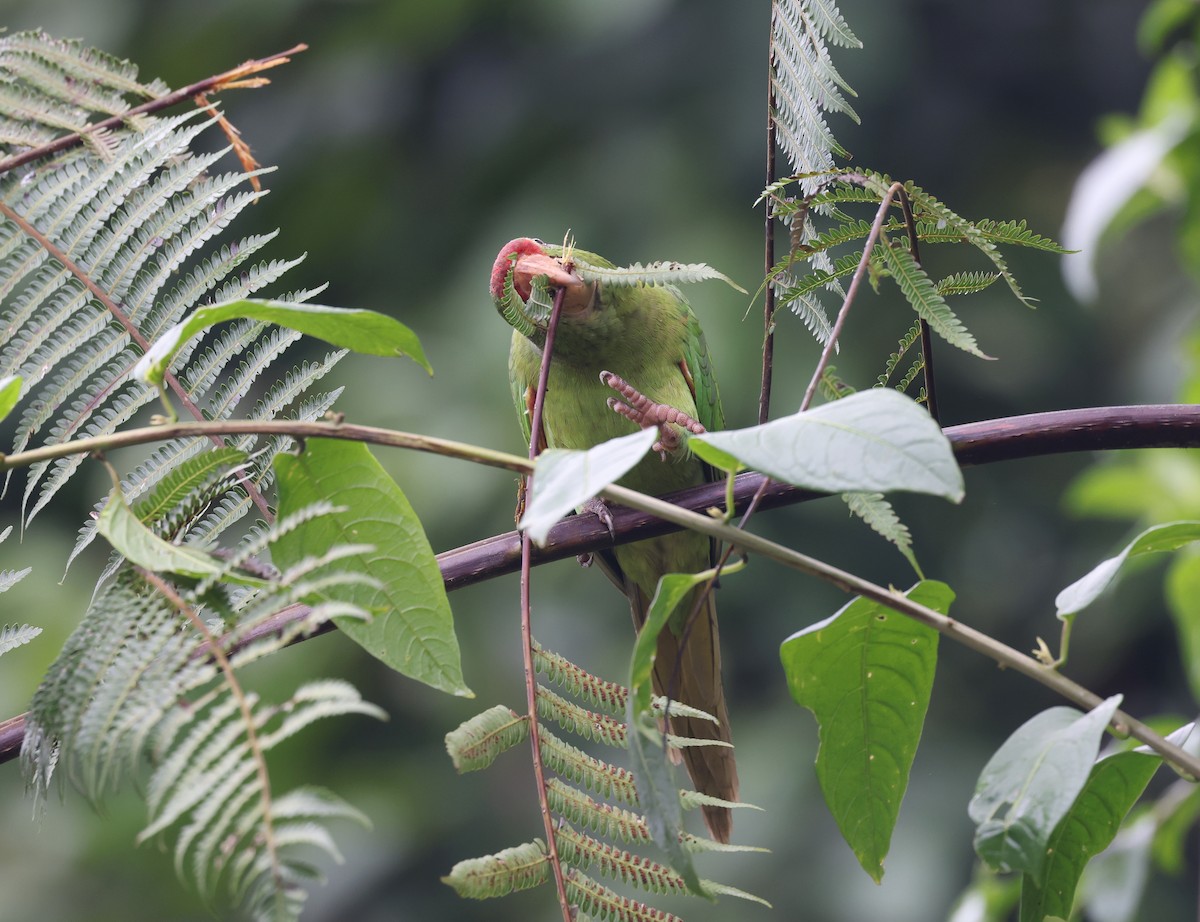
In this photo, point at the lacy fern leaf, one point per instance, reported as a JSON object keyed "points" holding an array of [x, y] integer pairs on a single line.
{"points": [[804, 81], [476, 743]]}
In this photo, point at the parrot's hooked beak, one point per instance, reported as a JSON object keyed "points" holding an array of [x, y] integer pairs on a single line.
{"points": [[577, 294]]}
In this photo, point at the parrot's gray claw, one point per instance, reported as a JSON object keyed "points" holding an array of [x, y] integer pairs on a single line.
{"points": [[599, 508], [645, 413]]}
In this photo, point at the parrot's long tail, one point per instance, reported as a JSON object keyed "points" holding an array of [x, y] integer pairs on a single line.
{"points": [[687, 668]]}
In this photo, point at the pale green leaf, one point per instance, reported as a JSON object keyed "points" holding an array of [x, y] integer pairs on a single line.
{"points": [[412, 629], [564, 480], [139, 545], [358, 330], [874, 441], [1031, 782], [671, 589], [1081, 593], [866, 674]]}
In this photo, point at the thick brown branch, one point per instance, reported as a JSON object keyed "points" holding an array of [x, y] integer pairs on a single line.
{"points": [[1007, 439]]}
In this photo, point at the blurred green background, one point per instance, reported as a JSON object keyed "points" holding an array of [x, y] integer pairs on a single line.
{"points": [[415, 138]]}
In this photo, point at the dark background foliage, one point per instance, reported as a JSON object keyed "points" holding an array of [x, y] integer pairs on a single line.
{"points": [[415, 138]]}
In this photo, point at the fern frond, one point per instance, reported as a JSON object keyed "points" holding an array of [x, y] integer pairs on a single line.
{"points": [[881, 518], [906, 342], [605, 819], [15, 635], [922, 295], [910, 376], [477, 742], [656, 273], [930, 209], [603, 778], [1017, 233], [579, 683], [832, 386], [174, 490], [804, 81], [579, 720], [965, 283], [582, 851], [599, 902], [521, 867]]}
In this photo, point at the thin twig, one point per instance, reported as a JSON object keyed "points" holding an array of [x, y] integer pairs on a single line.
{"points": [[851, 291], [230, 79], [535, 741], [1001, 653], [768, 355], [316, 429]]}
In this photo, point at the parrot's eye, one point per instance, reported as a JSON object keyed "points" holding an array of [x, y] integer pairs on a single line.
{"points": [[539, 241]]}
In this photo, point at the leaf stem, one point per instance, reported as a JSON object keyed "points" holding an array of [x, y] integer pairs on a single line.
{"points": [[535, 742]]}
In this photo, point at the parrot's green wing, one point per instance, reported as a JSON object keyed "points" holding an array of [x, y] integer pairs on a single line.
{"points": [[702, 381], [520, 388]]}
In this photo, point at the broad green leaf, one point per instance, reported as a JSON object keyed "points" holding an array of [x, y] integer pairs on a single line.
{"points": [[671, 589], [1030, 783], [875, 441], [10, 393], [138, 544], [412, 629], [564, 480], [1113, 786], [1183, 601], [866, 674], [357, 330], [923, 297], [1081, 593]]}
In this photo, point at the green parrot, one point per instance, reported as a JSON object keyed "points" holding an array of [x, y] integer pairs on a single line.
{"points": [[648, 336]]}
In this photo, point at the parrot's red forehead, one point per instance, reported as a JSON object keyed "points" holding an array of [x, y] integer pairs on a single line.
{"points": [[522, 246]]}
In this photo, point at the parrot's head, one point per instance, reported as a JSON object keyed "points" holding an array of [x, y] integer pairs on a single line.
{"points": [[526, 305]]}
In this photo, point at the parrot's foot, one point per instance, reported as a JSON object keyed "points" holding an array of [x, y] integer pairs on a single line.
{"points": [[644, 412], [599, 508]]}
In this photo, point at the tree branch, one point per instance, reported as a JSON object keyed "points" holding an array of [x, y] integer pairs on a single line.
{"points": [[987, 442]]}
